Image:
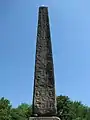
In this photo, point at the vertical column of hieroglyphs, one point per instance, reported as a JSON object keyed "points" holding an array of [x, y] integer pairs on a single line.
{"points": [[44, 86]]}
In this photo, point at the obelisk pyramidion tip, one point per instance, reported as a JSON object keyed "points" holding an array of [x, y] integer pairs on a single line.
{"points": [[43, 6]]}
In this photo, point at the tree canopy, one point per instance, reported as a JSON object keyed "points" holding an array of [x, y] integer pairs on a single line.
{"points": [[66, 110]]}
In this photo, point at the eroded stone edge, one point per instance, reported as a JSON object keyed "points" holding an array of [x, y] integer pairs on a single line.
{"points": [[44, 118]]}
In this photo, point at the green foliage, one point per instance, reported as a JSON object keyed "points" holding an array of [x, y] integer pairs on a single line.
{"points": [[5, 109], [66, 110], [23, 111], [69, 110]]}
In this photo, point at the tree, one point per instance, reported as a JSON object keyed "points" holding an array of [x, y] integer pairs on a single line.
{"points": [[23, 112], [66, 110], [5, 109], [69, 110], [80, 111], [63, 108], [25, 109]]}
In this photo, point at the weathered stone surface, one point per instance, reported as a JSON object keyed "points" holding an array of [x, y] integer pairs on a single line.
{"points": [[44, 118], [44, 99]]}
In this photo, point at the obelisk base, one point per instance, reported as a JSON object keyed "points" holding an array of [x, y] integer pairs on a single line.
{"points": [[44, 118]]}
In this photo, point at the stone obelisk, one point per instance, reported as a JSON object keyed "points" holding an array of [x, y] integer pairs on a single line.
{"points": [[44, 98]]}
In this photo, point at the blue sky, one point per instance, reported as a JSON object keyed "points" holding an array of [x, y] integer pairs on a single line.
{"points": [[70, 32]]}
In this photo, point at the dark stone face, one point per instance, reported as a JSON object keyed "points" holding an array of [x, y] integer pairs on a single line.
{"points": [[44, 100]]}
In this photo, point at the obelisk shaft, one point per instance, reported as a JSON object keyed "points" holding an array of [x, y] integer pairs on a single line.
{"points": [[44, 99]]}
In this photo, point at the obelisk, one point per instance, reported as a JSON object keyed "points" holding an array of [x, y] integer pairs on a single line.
{"points": [[44, 98]]}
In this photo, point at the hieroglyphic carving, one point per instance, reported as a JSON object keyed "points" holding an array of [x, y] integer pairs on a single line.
{"points": [[38, 93], [44, 88], [50, 93]]}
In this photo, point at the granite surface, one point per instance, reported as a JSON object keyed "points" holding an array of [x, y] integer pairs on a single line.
{"points": [[44, 99]]}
